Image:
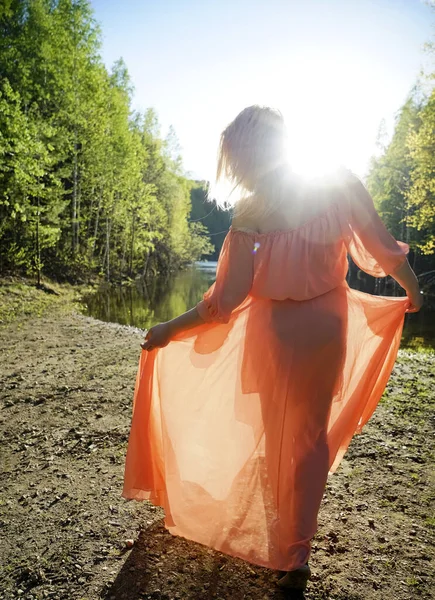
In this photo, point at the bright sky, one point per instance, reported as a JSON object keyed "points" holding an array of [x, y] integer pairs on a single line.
{"points": [[335, 68]]}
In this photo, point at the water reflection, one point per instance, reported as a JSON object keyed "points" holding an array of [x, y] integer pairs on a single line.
{"points": [[144, 304], [147, 303]]}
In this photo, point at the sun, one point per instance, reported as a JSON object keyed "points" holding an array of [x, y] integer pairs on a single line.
{"points": [[311, 165], [314, 151]]}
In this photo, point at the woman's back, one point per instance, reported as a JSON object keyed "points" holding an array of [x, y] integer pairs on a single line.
{"points": [[289, 259], [297, 247], [291, 203]]}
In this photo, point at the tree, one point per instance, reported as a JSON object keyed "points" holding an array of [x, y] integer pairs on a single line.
{"points": [[390, 175], [216, 220], [421, 195], [31, 197]]}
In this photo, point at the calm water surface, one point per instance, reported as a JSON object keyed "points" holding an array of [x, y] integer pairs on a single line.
{"points": [[144, 304]]}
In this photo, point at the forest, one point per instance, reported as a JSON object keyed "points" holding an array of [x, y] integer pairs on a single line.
{"points": [[89, 187]]}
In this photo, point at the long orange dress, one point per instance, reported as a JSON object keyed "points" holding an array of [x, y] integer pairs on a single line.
{"points": [[238, 421]]}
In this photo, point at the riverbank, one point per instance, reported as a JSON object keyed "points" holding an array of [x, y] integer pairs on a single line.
{"points": [[21, 298], [66, 385]]}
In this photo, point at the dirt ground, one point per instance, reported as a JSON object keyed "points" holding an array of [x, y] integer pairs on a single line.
{"points": [[66, 387]]}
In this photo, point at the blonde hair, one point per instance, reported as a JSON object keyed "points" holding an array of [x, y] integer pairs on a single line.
{"points": [[251, 152]]}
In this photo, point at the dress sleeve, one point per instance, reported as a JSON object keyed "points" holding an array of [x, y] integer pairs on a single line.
{"points": [[368, 241], [234, 275]]}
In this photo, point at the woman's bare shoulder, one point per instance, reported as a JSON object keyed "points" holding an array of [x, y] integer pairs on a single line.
{"points": [[245, 216], [244, 222]]}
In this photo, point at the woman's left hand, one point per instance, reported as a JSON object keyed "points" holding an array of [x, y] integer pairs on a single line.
{"points": [[157, 337]]}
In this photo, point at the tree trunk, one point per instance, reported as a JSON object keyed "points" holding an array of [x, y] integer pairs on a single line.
{"points": [[38, 247], [78, 217], [74, 203], [91, 208], [107, 253], [132, 242], [124, 252], [145, 268], [97, 218]]}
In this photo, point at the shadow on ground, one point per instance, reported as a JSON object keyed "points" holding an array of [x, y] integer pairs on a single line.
{"points": [[161, 566]]}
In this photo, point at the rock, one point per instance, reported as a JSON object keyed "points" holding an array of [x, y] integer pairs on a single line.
{"points": [[332, 536]]}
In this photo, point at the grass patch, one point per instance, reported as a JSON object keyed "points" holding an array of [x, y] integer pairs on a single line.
{"points": [[413, 581], [20, 299], [430, 521]]}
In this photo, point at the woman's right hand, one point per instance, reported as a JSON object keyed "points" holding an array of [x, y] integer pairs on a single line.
{"points": [[416, 301], [157, 337]]}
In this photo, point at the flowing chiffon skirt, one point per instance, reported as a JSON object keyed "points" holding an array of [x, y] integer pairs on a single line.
{"points": [[236, 425]]}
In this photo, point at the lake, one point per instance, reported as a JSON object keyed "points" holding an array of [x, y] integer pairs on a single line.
{"points": [[147, 303]]}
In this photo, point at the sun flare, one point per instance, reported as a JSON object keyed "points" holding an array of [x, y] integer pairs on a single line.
{"points": [[314, 159], [315, 147], [326, 126]]}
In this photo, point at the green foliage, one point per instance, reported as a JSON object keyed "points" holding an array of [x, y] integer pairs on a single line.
{"points": [[31, 195], [421, 195], [402, 179], [390, 174], [216, 220], [86, 185]]}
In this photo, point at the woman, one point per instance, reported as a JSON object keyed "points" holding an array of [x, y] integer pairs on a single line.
{"points": [[245, 403]]}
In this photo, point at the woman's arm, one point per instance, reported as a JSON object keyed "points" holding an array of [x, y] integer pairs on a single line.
{"points": [[234, 275], [189, 319], [406, 278], [372, 247], [160, 335]]}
